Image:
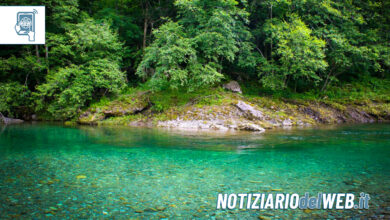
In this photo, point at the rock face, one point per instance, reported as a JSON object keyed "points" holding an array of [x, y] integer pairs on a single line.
{"points": [[233, 86], [250, 112], [360, 116]]}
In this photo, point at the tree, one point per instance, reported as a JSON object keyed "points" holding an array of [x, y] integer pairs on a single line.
{"points": [[298, 55], [95, 54], [175, 60], [190, 52], [355, 32]]}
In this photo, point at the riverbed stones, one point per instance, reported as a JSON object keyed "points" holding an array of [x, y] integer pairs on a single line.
{"points": [[163, 176], [233, 86], [81, 177], [212, 124]]}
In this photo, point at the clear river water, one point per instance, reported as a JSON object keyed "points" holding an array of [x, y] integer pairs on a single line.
{"points": [[58, 172]]}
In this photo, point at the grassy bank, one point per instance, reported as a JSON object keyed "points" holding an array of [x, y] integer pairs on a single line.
{"points": [[355, 102]]}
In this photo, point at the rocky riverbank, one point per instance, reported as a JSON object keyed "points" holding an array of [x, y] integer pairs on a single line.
{"points": [[230, 110]]}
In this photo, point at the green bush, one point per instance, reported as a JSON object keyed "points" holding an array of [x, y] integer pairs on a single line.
{"points": [[15, 99], [190, 53], [298, 55], [69, 89], [96, 54]]}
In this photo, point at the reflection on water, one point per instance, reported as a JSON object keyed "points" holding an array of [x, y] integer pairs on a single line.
{"points": [[80, 172]]}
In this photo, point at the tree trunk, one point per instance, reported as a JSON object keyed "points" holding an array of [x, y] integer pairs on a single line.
{"points": [[328, 80], [145, 27], [271, 33], [37, 53], [47, 58], [46, 52], [151, 30]]}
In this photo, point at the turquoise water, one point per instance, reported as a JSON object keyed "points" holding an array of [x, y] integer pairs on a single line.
{"points": [[52, 171]]}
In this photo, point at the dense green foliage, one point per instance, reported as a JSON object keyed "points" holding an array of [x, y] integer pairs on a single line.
{"points": [[94, 54], [15, 99], [356, 35], [298, 54], [97, 48], [190, 52]]}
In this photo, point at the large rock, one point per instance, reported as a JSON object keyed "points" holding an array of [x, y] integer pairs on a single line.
{"points": [[233, 86], [5, 120], [122, 111], [287, 123], [194, 124], [359, 116], [250, 112], [250, 127], [210, 125], [91, 118], [126, 105]]}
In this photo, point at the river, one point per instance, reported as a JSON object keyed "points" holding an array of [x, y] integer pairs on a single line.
{"points": [[54, 171]]}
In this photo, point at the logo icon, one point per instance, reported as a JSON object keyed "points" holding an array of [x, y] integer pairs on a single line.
{"points": [[25, 24]]}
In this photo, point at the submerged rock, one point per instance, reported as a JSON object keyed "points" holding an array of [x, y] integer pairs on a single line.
{"points": [[233, 86], [81, 177]]}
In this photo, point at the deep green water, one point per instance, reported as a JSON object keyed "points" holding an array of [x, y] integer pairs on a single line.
{"points": [[92, 172]]}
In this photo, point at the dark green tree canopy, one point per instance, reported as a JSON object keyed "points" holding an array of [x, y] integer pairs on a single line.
{"points": [[97, 48], [190, 52]]}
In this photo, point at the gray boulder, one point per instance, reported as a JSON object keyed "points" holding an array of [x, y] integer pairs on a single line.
{"points": [[233, 86], [250, 127], [249, 111], [4, 120], [287, 123]]}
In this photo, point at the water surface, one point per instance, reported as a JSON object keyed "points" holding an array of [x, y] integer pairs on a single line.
{"points": [[92, 172]]}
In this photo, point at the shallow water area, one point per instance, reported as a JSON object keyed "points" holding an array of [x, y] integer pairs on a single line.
{"points": [[54, 171]]}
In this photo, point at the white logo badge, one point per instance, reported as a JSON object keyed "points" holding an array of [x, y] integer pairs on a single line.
{"points": [[22, 24]]}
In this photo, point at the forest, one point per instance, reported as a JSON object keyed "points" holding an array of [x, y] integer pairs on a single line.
{"points": [[97, 49]]}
